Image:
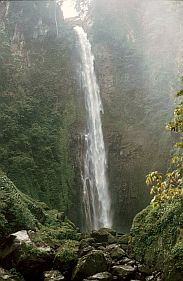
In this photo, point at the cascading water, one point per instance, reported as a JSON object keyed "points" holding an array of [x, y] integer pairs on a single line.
{"points": [[96, 199]]}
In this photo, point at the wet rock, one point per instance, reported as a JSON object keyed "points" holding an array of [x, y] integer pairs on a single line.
{"points": [[31, 261], [86, 243], [103, 276], [12, 242], [104, 235], [110, 231], [124, 239], [6, 275], [53, 275], [124, 260], [132, 263], [150, 278], [86, 250], [100, 236], [102, 248], [115, 251], [123, 270], [94, 262], [66, 257], [99, 245]]}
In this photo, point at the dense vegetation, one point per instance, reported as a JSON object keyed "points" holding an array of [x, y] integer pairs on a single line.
{"points": [[156, 234], [37, 101], [168, 187], [40, 151]]}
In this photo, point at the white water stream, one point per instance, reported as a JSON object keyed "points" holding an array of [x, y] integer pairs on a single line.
{"points": [[96, 199], [95, 195]]}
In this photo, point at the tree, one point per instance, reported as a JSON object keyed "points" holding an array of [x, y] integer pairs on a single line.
{"points": [[167, 187]]}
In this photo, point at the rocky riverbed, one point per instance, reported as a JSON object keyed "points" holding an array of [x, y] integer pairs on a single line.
{"points": [[100, 255], [39, 244]]}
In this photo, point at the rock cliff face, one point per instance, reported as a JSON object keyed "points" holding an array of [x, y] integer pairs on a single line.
{"points": [[42, 109], [40, 115], [138, 75]]}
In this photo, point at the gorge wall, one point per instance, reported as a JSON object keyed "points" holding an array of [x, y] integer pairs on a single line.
{"points": [[39, 99], [138, 62], [42, 116]]}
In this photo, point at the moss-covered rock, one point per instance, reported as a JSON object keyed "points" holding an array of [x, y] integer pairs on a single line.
{"points": [[53, 275], [10, 276], [86, 242], [123, 270], [102, 276], [54, 235], [31, 261], [17, 211], [66, 257], [104, 235], [124, 239], [94, 262], [156, 238], [115, 251]]}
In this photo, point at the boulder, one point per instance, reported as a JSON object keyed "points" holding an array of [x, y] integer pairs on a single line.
{"points": [[124, 239], [110, 231], [19, 252], [86, 242], [123, 270], [102, 276], [104, 235], [115, 251], [150, 278], [31, 261], [100, 236], [66, 257], [85, 246], [124, 260], [17, 210], [53, 275], [132, 262], [86, 250], [94, 262], [12, 242], [6, 275]]}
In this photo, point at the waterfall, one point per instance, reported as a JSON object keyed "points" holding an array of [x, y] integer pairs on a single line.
{"points": [[96, 199]]}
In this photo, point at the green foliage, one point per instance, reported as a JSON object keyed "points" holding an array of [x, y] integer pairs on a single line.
{"points": [[18, 211], [68, 252], [37, 107], [55, 235], [156, 237], [15, 208], [167, 187], [164, 189], [16, 274]]}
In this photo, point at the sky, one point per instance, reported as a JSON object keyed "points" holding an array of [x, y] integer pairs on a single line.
{"points": [[68, 9]]}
